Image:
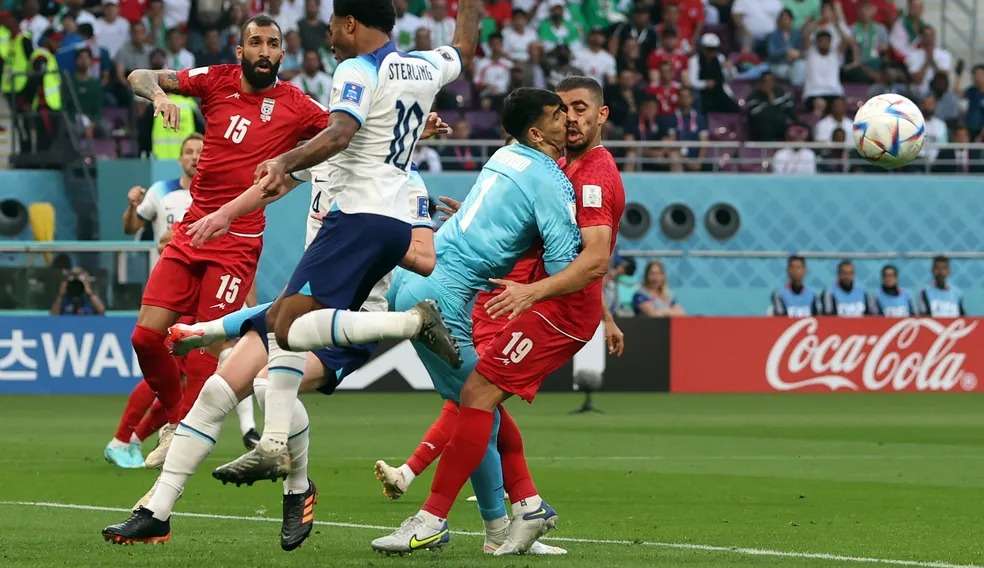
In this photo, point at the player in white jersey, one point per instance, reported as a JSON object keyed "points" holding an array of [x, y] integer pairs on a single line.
{"points": [[379, 102]]}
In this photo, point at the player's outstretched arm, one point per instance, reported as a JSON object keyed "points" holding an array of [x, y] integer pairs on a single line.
{"points": [[154, 86], [271, 174], [465, 38]]}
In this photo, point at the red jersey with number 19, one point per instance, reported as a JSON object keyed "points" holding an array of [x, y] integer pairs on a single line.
{"points": [[241, 131]]}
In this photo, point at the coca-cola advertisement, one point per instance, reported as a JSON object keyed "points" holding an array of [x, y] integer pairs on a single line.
{"points": [[826, 355]]}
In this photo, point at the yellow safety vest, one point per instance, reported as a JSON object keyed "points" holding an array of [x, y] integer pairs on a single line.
{"points": [[51, 82], [4, 42], [15, 68], [166, 142]]}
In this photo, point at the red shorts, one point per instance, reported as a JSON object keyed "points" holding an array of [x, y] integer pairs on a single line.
{"points": [[484, 328], [525, 350], [207, 282]]}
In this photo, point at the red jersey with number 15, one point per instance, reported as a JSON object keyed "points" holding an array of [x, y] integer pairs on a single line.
{"points": [[241, 131]]}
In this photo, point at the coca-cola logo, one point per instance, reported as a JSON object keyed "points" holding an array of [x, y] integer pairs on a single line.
{"points": [[912, 354]]}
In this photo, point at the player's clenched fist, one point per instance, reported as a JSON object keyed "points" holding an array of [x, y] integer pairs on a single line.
{"points": [[168, 111], [136, 195], [271, 178]]}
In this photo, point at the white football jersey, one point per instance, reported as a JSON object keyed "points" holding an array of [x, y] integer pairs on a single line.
{"points": [[164, 205], [390, 94]]}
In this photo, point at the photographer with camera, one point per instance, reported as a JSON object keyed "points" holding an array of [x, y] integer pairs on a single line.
{"points": [[76, 298]]}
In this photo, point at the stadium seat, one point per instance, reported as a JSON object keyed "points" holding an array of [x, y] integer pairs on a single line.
{"points": [[726, 125], [460, 93], [855, 94], [742, 90], [754, 160], [484, 123]]}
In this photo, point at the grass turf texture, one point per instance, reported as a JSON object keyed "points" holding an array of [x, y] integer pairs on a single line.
{"points": [[873, 476]]}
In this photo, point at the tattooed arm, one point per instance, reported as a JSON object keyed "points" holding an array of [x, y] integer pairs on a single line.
{"points": [[154, 86]]}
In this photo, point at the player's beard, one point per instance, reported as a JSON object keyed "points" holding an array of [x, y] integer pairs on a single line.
{"points": [[260, 80], [581, 145]]}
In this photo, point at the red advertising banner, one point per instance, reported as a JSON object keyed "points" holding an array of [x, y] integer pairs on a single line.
{"points": [[826, 355]]}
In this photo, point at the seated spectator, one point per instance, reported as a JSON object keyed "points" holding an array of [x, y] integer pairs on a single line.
{"points": [[974, 96], [830, 21], [947, 102], [823, 65], [440, 24], [653, 298], [792, 160], [836, 118], [941, 300], [623, 97], [557, 29], [664, 89], [640, 29], [290, 64], [405, 27], [961, 161], [76, 298], [595, 61], [686, 124], [754, 20], [461, 158], [628, 57], [891, 300], [492, 73], [312, 79], [517, 37], [784, 55], [688, 20], [560, 67], [708, 72], [747, 65], [426, 159], [111, 30], [802, 11], [935, 129], [670, 51], [232, 24], [178, 57], [283, 15], [770, 110], [154, 20], [925, 61], [328, 61], [646, 127], [891, 79], [885, 10], [213, 52], [135, 54], [845, 298], [500, 11], [312, 28], [834, 160], [795, 299], [31, 20], [422, 39], [533, 72], [907, 30], [89, 91], [872, 39]]}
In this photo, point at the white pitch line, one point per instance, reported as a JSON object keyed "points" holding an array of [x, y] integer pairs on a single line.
{"points": [[671, 545]]}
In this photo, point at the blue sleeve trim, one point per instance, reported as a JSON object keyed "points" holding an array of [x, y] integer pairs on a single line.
{"points": [[351, 113], [427, 224]]}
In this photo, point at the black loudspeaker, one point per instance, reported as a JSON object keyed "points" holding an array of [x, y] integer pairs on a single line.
{"points": [[677, 221], [13, 217], [722, 221], [635, 221]]}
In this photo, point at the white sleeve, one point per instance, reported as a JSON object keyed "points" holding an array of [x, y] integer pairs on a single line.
{"points": [[446, 59], [151, 204], [353, 85]]}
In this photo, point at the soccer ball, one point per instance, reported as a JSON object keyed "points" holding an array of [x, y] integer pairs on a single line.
{"points": [[889, 131]]}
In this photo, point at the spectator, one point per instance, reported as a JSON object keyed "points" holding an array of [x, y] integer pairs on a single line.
{"points": [[177, 56], [638, 28], [532, 73], [845, 298], [75, 296], [440, 24], [426, 159], [461, 158], [213, 52], [872, 39], [974, 96], [664, 89], [500, 11], [74, 9], [891, 300], [823, 65], [836, 118], [935, 130], [770, 110], [784, 55], [653, 298], [834, 160], [312, 29], [830, 21], [802, 11], [176, 13], [290, 65], [795, 299], [595, 61], [404, 30], [689, 20], [961, 161], [135, 54], [154, 21], [234, 20], [629, 57], [941, 300], [686, 124], [492, 73], [285, 18], [328, 61], [623, 97], [102, 63], [907, 30], [422, 39], [561, 68], [792, 160], [645, 127], [312, 79], [133, 10], [89, 93], [891, 79], [885, 10], [517, 38], [32, 22], [708, 71], [111, 30], [925, 61], [755, 20], [557, 30], [947, 102], [670, 51]]}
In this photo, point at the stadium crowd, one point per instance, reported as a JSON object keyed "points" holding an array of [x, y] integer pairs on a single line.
{"points": [[673, 70]]}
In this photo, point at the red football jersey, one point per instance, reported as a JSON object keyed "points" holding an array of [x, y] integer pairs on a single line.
{"points": [[241, 130]]}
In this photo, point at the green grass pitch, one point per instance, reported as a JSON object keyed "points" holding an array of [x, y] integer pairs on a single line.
{"points": [[869, 479]]}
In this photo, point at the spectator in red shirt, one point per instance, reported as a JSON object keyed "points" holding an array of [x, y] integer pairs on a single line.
{"points": [[690, 19], [664, 88], [668, 51], [133, 10], [500, 11]]}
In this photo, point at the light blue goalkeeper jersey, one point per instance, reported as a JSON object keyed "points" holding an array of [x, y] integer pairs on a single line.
{"points": [[520, 197]]}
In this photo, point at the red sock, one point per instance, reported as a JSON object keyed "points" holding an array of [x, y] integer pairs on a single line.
{"points": [[152, 422], [159, 369], [436, 438], [515, 473], [141, 397], [461, 456], [198, 367]]}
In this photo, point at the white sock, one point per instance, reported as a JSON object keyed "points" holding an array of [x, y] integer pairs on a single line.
{"points": [[134, 439], [285, 371], [214, 331], [497, 525], [244, 411], [114, 443], [328, 327], [408, 475], [528, 505], [297, 443], [193, 441], [432, 520]]}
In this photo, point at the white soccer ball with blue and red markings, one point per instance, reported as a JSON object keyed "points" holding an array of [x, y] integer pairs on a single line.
{"points": [[889, 131]]}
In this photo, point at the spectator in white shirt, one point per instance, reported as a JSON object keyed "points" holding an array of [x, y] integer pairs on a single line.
{"points": [[312, 80], [74, 8], [284, 17], [927, 60], [517, 37], [755, 19], [406, 25], [427, 159], [492, 73], [822, 68], [792, 160], [178, 57], [595, 61], [836, 118], [441, 25], [907, 29], [111, 30], [33, 22], [936, 132], [176, 13]]}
